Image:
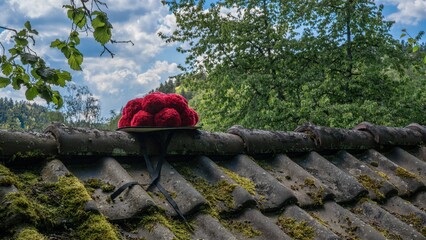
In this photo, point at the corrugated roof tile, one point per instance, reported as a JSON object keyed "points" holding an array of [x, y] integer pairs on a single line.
{"points": [[345, 187], [319, 183]]}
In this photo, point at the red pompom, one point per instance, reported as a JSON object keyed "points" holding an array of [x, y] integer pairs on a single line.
{"points": [[187, 117], [154, 102], [176, 101], [142, 118], [124, 121], [132, 107], [167, 117], [195, 117]]}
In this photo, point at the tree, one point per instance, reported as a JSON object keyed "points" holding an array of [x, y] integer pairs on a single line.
{"points": [[22, 115], [81, 108], [21, 66], [276, 64]]}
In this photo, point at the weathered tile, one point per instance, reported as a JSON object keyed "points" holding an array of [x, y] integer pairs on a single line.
{"points": [[376, 184], [419, 200], [304, 224], [221, 191], [252, 224], [413, 165], [129, 204], [345, 187], [406, 212], [308, 190], [386, 223], [208, 227], [270, 194], [344, 223], [185, 196], [395, 174]]}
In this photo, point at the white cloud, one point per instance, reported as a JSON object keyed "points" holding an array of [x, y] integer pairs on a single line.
{"points": [[410, 12], [143, 30], [161, 69], [36, 8], [130, 5], [109, 75]]}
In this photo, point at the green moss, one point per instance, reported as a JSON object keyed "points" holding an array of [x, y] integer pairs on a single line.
{"points": [[318, 219], [30, 234], [7, 181], [178, 228], [97, 227], [244, 182], [30, 154], [73, 197], [297, 230], [386, 233], [244, 227], [213, 193], [371, 185], [317, 196], [7, 178], [402, 172], [28, 178], [382, 174], [309, 182], [18, 203], [415, 221], [47, 206], [98, 183]]}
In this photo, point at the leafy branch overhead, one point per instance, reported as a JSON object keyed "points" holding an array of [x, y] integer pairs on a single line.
{"points": [[21, 66]]}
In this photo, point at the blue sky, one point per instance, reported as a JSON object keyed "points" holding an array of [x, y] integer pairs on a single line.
{"points": [[135, 69]]}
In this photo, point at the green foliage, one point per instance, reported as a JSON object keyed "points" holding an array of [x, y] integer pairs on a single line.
{"points": [[275, 65], [26, 116], [21, 66], [40, 78], [174, 85]]}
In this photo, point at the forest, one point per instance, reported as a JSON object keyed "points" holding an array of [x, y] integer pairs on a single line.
{"points": [[264, 64]]}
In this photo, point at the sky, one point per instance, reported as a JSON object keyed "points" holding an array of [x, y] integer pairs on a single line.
{"points": [[134, 70]]}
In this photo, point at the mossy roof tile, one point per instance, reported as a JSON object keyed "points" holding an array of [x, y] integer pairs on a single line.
{"points": [[319, 182]]}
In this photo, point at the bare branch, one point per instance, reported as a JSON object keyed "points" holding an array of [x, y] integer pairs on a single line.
{"points": [[10, 29], [107, 50], [128, 41]]}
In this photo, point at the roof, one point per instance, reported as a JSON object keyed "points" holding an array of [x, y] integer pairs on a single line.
{"points": [[313, 183]]}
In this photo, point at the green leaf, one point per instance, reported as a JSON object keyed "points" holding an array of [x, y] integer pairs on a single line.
{"points": [[403, 35], [102, 35], [27, 25], [416, 48], [80, 19], [70, 13], [7, 68], [98, 22], [75, 61], [14, 51], [46, 73], [31, 93], [94, 13], [4, 82], [74, 37], [28, 58], [424, 60], [63, 76], [55, 43], [22, 33], [21, 41]]}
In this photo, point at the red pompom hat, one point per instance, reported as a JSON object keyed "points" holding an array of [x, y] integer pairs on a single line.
{"points": [[158, 110]]}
